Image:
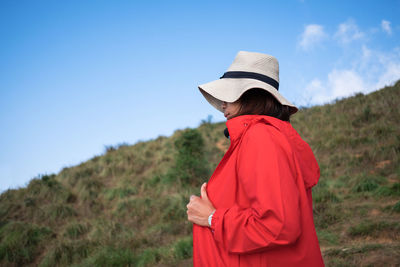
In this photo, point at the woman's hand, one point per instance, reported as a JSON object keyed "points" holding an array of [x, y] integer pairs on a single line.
{"points": [[198, 209]]}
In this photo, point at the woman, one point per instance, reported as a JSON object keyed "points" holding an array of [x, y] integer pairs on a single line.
{"points": [[256, 209]]}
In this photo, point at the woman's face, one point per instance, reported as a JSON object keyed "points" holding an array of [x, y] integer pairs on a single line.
{"points": [[230, 109]]}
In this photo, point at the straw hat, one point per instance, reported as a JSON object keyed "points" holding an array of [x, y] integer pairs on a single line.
{"points": [[248, 70]]}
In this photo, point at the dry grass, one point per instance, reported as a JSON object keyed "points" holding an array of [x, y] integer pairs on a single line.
{"points": [[125, 207]]}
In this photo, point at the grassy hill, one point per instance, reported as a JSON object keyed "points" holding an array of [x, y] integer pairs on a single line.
{"points": [[128, 206]]}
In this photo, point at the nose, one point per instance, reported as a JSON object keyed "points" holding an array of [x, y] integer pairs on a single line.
{"points": [[223, 105]]}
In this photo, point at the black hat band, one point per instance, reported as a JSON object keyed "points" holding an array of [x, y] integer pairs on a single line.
{"points": [[251, 75]]}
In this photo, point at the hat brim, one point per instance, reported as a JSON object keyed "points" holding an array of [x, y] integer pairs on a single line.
{"points": [[230, 90]]}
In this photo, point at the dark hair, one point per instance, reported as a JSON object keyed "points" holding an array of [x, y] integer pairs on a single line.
{"points": [[257, 101]]}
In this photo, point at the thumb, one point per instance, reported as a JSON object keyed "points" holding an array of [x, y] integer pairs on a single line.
{"points": [[204, 192]]}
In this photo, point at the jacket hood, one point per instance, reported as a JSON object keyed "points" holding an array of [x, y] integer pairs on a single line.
{"points": [[305, 157]]}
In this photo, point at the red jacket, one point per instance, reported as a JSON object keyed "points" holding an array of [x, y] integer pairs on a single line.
{"points": [[261, 190]]}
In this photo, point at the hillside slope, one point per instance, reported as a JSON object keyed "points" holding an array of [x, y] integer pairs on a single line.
{"points": [[128, 206]]}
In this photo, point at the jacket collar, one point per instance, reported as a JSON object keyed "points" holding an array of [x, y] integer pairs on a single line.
{"points": [[237, 125]]}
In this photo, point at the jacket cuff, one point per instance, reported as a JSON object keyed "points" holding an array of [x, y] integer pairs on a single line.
{"points": [[217, 224]]}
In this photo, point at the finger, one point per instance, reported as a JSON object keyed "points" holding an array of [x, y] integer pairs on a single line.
{"points": [[203, 192], [192, 197]]}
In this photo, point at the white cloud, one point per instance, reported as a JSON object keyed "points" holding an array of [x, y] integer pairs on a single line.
{"points": [[315, 86], [386, 27], [312, 35], [316, 93], [390, 75], [366, 52], [359, 69], [344, 83], [340, 83], [371, 70], [348, 32], [391, 68]]}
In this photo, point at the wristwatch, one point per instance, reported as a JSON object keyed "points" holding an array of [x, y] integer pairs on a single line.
{"points": [[210, 218]]}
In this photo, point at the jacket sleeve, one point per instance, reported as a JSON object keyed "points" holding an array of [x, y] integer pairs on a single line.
{"points": [[266, 174]]}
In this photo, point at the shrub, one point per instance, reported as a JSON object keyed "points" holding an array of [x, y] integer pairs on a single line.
{"points": [[173, 208], [191, 166], [183, 248], [49, 180], [46, 186], [153, 181], [367, 116], [149, 257], [66, 252], [21, 242], [366, 186], [110, 256], [393, 190], [75, 230], [61, 211], [208, 120], [367, 183]]}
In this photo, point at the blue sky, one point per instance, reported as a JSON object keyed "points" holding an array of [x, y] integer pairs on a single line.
{"points": [[76, 76]]}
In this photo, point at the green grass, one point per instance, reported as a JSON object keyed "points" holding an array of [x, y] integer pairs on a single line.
{"points": [[120, 192], [363, 255], [127, 207], [22, 242], [327, 238], [392, 190], [375, 228], [110, 256], [396, 207], [366, 185], [76, 230], [65, 253]]}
